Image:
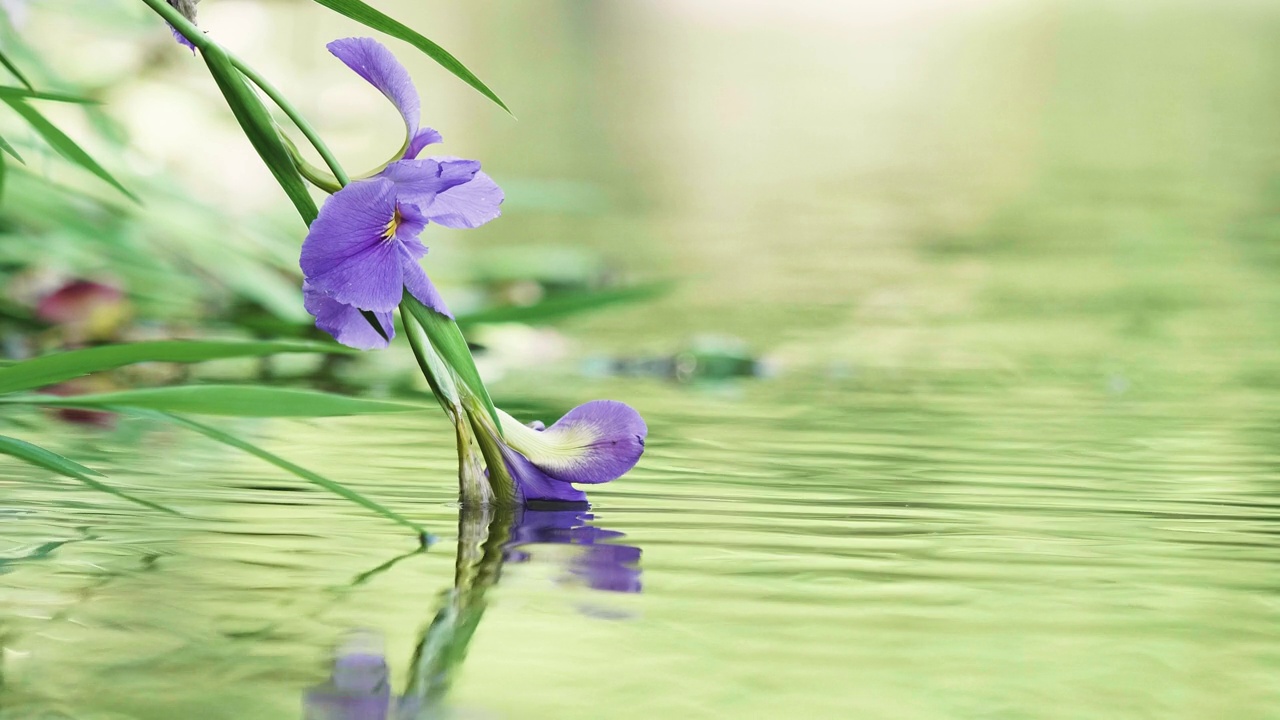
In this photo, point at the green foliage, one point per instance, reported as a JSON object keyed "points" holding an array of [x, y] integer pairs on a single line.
{"points": [[333, 487], [12, 68], [260, 129], [232, 400], [49, 460], [448, 342], [21, 93], [5, 146], [566, 304], [59, 141], [55, 368], [364, 14]]}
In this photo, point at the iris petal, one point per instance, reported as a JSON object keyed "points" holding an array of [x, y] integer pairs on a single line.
{"points": [[420, 286], [346, 323], [420, 181], [375, 63], [346, 254], [535, 485], [468, 205], [425, 137], [593, 443]]}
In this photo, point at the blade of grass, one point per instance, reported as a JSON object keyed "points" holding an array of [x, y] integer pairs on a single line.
{"points": [[229, 400], [333, 487], [50, 369], [65, 146], [259, 128], [49, 460], [568, 304], [13, 92], [364, 14], [5, 146], [12, 68]]}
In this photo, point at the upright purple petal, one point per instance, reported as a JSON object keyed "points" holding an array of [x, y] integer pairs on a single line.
{"points": [[375, 63], [346, 323], [468, 205], [347, 255], [425, 137]]}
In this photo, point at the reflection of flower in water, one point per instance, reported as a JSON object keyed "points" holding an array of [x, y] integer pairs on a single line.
{"points": [[599, 565], [359, 687], [488, 538]]}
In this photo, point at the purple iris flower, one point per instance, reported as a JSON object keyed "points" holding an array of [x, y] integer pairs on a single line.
{"points": [[362, 252], [593, 443]]}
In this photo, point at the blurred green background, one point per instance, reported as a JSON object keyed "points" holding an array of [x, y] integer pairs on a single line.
{"points": [[954, 322]]}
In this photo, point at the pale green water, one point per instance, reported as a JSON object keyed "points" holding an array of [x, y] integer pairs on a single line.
{"points": [[1014, 268]]}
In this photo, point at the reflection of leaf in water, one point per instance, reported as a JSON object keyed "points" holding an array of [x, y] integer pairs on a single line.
{"points": [[40, 552], [488, 538]]}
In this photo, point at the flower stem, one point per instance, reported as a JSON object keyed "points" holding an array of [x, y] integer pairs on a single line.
{"points": [[189, 30], [307, 131]]}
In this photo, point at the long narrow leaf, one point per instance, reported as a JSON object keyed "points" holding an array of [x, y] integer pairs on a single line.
{"points": [[12, 68], [230, 400], [452, 347], [558, 306], [259, 128], [5, 146], [65, 146], [49, 460], [55, 368], [13, 92], [364, 14], [333, 487]]}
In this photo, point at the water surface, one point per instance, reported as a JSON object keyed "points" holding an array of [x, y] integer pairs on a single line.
{"points": [[1011, 269]]}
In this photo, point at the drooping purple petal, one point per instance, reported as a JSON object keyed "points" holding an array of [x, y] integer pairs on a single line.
{"points": [[533, 485], [594, 443], [420, 286], [347, 254], [346, 323], [468, 205], [375, 63], [420, 181]]}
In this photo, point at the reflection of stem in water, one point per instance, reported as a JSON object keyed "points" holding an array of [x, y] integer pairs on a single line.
{"points": [[483, 532]]}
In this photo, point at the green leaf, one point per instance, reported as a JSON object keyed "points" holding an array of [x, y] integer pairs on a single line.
{"points": [[50, 369], [364, 14], [5, 146], [8, 64], [558, 306], [333, 487], [256, 122], [65, 146], [38, 456], [13, 92], [3, 168], [232, 400], [448, 341]]}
